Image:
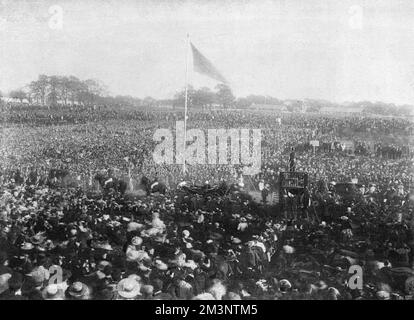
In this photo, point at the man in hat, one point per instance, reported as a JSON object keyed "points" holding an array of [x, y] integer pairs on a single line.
{"points": [[78, 291]]}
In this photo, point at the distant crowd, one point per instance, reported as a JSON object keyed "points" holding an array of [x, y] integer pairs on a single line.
{"points": [[69, 239]]}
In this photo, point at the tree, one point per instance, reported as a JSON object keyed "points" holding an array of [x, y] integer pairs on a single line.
{"points": [[179, 98], [203, 97], [53, 95], [63, 89], [95, 87], [313, 108], [148, 101], [18, 94], [75, 88], [38, 88], [224, 95], [92, 90]]}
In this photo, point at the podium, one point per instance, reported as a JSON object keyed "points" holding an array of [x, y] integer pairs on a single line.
{"points": [[292, 186]]}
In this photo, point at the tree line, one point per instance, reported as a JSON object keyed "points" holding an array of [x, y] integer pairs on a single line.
{"points": [[53, 90], [69, 90]]}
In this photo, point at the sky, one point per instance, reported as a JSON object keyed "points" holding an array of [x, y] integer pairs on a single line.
{"points": [[335, 50]]}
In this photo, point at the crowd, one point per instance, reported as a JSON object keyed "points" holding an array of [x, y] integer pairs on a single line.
{"points": [[74, 242]]}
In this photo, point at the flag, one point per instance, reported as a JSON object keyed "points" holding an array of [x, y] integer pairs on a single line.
{"points": [[204, 66]]}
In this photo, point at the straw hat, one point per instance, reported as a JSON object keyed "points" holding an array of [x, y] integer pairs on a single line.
{"points": [[383, 295], [285, 285], [134, 226], [27, 246], [52, 292], [78, 290], [39, 275], [235, 240], [136, 241], [136, 255], [103, 246], [128, 288], [161, 265], [288, 249]]}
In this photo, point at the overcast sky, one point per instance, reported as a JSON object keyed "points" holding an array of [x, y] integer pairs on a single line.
{"points": [[334, 50]]}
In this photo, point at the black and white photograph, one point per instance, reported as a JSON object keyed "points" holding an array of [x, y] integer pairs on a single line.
{"points": [[183, 150]]}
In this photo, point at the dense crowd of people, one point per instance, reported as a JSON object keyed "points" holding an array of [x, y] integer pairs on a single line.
{"points": [[68, 239]]}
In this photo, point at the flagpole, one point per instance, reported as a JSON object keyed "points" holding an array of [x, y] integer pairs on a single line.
{"points": [[186, 100]]}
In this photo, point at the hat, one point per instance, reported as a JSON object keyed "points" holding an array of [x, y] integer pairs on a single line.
{"points": [[235, 240], [39, 275], [334, 291], [132, 255], [136, 241], [134, 226], [321, 285], [204, 296], [191, 264], [288, 249], [134, 277], [27, 246], [383, 295], [285, 285], [136, 255], [37, 239], [160, 265], [52, 292], [128, 288], [78, 290], [104, 246]]}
